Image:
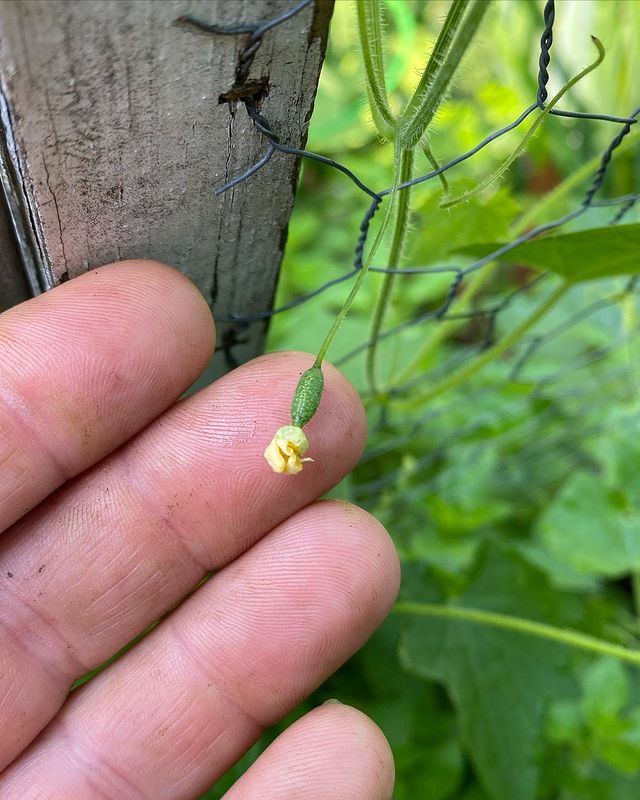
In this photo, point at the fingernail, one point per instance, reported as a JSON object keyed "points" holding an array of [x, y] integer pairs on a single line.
{"points": [[332, 702]]}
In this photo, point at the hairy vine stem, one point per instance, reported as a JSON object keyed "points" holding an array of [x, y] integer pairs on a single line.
{"points": [[541, 630]]}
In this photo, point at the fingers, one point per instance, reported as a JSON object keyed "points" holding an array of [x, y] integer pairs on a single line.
{"points": [[172, 715], [332, 753], [87, 365], [107, 555]]}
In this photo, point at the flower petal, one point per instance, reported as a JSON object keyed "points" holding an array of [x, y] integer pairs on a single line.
{"points": [[284, 452]]}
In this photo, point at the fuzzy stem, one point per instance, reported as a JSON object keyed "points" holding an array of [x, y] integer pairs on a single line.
{"points": [[499, 172], [426, 149], [370, 34], [459, 27], [566, 636], [333, 330], [400, 230]]}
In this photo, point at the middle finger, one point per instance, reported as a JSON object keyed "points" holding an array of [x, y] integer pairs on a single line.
{"points": [[98, 562]]}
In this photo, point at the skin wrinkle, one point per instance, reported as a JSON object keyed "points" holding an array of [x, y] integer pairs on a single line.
{"points": [[13, 688], [163, 721], [123, 563], [70, 513], [91, 760], [14, 404], [214, 680], [17, 706], [308, 638], [62, 662], [145, 495], [15, 698], [122, 609], [202, 755]]}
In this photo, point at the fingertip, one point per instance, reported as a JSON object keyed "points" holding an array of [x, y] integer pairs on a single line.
{"points": [[178, 288], [335, 752], [352, 732], [363, 540]]}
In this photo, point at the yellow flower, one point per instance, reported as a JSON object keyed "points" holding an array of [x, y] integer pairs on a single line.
{"points": [[285, 450]]}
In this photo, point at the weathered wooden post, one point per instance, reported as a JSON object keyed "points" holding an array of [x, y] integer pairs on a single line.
{"points": [[115, 134]]}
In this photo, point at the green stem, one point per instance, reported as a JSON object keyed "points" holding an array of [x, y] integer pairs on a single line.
{"points": [[445, 328], [426, 149], [464, 372], [326, 344], [459, 27], [451, 45], [398, 240], [567, 636], [370, 33], [499, 172]]}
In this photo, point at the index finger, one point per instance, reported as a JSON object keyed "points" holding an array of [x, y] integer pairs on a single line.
{"points": [[87, 365]]}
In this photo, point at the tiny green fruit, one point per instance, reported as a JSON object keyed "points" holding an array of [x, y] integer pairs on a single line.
{"points": [[306, 398]]}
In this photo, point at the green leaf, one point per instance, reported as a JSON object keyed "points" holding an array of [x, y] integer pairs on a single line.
{"points": [[579, 256], [499, 682], [482, 221], [588, 527], [564, 721], [618, 451], [606, 691]]}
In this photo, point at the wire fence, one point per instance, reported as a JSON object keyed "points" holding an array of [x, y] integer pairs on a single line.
{"points": [[447, 310]]}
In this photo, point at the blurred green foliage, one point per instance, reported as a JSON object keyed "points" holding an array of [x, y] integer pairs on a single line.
{"points": [[519, 492]]}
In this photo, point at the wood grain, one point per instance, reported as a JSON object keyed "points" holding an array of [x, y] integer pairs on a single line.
{"points": [[120, 139]]}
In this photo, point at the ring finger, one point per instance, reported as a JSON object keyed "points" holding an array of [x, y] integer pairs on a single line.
{"points": [[175, 712]]}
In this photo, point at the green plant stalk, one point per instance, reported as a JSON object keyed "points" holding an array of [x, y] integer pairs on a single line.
{"points": [[436, 77], [464, 372], [398, 241], [370, 34], [426, 149], [444, 329], [445, 187], [328, 339], [499, 172], [333, 330], [459, 27], [566, 636], [438, 55]]}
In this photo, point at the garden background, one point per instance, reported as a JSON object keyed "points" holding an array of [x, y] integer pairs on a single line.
{"points": [[513, 495]]}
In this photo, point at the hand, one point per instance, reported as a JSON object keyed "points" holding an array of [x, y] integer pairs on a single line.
{"points": [[115, 502]]}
